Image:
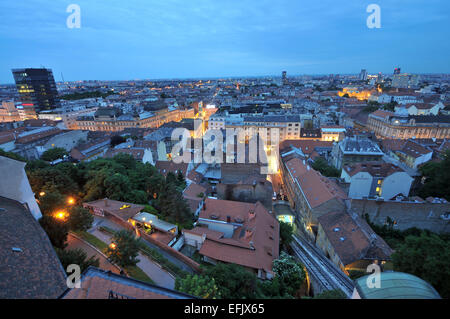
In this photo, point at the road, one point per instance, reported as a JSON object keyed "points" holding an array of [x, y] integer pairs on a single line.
{"points": [[154, 271], [74, 243], [320, 268]]}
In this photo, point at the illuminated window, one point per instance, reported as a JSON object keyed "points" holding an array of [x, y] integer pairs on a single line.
{"points": [[379, 182], [378, 189]]}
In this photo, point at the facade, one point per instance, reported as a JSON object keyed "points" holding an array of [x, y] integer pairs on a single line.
{"points": [[37, 88], [405, 80], [235, 232], [354, 150], [108, 119], [389, 125], [376, 179]]}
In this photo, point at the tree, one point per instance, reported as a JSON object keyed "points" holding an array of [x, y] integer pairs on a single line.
{"points": [[56, 230], [233, 281], [77, 257], [290, 273], [116, 186], [51, 201], [173, 207], [53, 154], [198, 285], [331, 294], [437, 178], [426, 256], [286, 234], [124, 249], [321, 165], [80, 218]]}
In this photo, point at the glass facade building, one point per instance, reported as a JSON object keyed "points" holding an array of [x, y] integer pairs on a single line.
{"points": [[37, 88]]}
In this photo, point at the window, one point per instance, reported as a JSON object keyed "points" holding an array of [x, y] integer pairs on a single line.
{"points": [[379, 182]]}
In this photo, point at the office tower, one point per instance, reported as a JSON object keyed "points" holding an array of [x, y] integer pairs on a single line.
{"points": [[397, 71], [405, 80], [37, 88], [283, 77], [363, 75]]}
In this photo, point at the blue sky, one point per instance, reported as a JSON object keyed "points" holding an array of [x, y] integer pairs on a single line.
{"points": [[147, 39]]}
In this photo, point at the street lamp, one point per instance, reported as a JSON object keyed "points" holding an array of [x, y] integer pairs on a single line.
{"points": [[70, 201], [112, 246], [42, 194]]}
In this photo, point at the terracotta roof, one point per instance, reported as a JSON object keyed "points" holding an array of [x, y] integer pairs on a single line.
{"points": [[165, 167], [352, 239], [383, 114], [193, 190], [114, 207], [35, 271], [316, 188], [100, 284], [37, 136], [379, 169], [255, 241], [414, 149]]}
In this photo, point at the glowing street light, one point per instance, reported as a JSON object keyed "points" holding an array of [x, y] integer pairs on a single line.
{"points": [[70, 201], [60, 215], [42, 194], [112, 246]]}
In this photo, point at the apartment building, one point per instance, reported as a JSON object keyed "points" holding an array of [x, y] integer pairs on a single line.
{"points": [[354, 150], [376, 179]]}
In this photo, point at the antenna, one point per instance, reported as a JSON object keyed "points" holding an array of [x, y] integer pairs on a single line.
{"points": [[62, 76]]}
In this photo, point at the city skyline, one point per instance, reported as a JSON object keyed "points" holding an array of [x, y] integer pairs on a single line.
{"points": [[222, 40]]}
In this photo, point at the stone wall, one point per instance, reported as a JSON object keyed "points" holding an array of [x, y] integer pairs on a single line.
{"points": [[405, 214]]}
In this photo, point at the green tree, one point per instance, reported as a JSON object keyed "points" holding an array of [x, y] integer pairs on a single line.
{"points": [[173, 207], [80, 218], [198, 285], [233, 281], [331, 294], [56, 230], [77, 257], [321, 165], [286, 234], [426, 256], [53, 154], [290, 273], [51, 202], [116, 186], [437, 178], [124, 250]]}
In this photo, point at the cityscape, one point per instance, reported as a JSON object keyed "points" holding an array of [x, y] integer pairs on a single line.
{"points": [[297, 185]]}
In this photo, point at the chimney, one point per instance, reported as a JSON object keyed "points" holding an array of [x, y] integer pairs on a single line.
{"points": [[204, 205], [105, 201], [228, 219], [251, 215], [248, 233]]}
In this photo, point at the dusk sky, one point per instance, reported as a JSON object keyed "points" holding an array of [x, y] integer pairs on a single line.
{"points": [[144, 39]]}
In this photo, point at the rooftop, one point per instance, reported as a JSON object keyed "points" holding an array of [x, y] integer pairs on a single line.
{"points": [[100, 284], [397, 285], [26, 252]]}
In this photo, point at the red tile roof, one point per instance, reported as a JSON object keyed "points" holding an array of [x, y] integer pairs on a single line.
{"points": [[316, 188], [254, 244]]}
